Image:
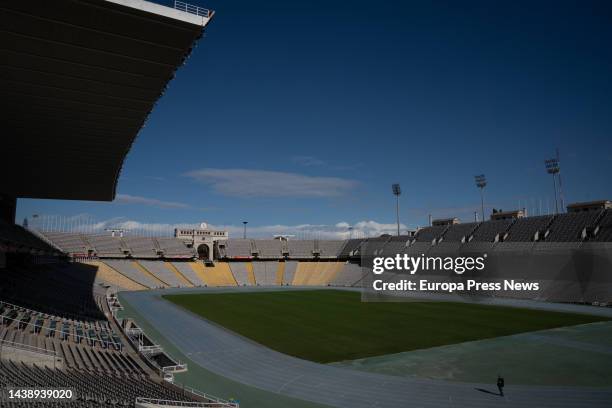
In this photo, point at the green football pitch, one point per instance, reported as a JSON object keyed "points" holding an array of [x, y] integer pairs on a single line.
{"points": [[334, 325]]}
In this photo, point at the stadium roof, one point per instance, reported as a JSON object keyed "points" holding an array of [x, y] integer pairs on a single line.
{"points": [[78, 79]]}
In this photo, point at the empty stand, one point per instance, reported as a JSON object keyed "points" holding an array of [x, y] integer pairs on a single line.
{"points": [[490, 230], [164, 273], [188, 272], [349, 247], [130, 270], [289, 272], [240, 270], [459, 232], [571, 227], [300, 249], [269, 248], [525, 229], [429, 234], [174, 248], [141, 247], [604, 228], [265, 272], [349, 275], [238, 248], [329, 249]]}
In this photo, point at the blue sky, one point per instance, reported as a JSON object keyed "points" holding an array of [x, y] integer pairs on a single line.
{"points": [[298, 116]]}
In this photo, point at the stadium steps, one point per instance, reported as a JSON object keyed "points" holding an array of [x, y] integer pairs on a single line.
{"points": [[178, 274], [145, 271], [303, 273], [114, 277], [289, 272], [219, 275], [251, 273], [188, 272], [198, 269], [240, 273], [280, 273]]}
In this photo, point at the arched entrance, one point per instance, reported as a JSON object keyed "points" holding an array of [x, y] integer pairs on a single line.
{"points": [[204, 252]]}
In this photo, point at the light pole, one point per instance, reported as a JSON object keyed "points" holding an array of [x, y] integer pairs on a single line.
{"points": [[552, 167], [397, 191], [481, 182], [244, 234]]}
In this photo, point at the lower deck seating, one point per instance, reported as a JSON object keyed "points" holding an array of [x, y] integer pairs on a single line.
{"points": [[240, 270], [107, 275], [289, 272], [351, 275], [163, 272], [265, 273], [91, 389], [316, 273], [132, 271], [218, 274], [185, 269]]}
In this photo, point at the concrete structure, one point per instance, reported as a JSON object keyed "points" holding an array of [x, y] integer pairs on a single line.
{"points": [[78, 80], [203, 239]]}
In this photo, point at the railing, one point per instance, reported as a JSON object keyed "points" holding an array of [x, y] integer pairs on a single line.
{"points": [[191, 9], [170, 403]]}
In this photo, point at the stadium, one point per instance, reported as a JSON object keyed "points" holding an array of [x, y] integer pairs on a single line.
{"points": [[202, 318]]}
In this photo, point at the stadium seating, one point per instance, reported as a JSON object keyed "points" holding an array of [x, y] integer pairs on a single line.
{"points": [[68, 242], [571, 227], [265, 273], [490, 230], [17, 238], [459, 232], [91, 389], [107, 246], [174, 248], [240, 270], [134, 272], [526, 229], [300, 249], [238, 248], [107, 275], [141, 247], [289, 272], [269, 248], [349, 247], [164, 272], [604, 231], [329, 248], [350, 275], [429, 234], [44, 288], [217, 274], [185, 269]]}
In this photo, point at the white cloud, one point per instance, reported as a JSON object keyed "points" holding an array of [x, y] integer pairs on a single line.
{"points": [[263, 183], [85, 223], [153, 202], [299, 231]]}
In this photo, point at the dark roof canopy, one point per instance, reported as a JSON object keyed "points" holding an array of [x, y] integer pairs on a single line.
{"points": [[78, 79]]}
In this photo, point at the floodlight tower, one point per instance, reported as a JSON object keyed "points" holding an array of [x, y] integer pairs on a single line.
{"points": [[244, 233], [397, 191], [481, 182], [552, 167]]}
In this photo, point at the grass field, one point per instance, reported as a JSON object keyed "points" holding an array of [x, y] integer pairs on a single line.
{"points": [[333, 325]]}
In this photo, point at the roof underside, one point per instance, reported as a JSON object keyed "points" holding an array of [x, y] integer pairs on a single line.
{"points": [[78, 79]]}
